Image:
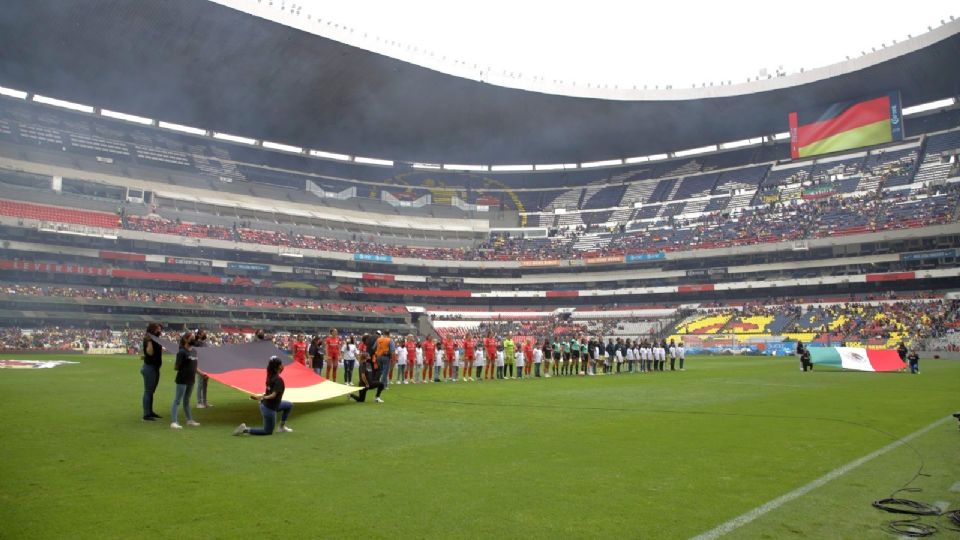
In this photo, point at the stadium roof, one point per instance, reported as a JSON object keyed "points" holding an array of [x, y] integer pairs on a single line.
{"points": [[206, 65]]}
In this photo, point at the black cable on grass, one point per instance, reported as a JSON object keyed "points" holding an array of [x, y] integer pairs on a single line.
{"points": [[954, 517], [911, 528], [906, 506], [905, 527]]}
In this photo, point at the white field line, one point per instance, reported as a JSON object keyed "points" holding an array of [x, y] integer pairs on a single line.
{"points": [[767, 507]]}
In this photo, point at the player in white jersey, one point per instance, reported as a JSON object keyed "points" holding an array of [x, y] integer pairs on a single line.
{"points": [[631, 356], [499, 363], [661, 355], [438, 364], [537, 360], [521, 361], [681, 354], [401, 365], [418, 364], [673, 355]]}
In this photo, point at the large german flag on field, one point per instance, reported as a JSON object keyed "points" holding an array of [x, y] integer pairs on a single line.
{"points": [[244, 367], [846, 125]]}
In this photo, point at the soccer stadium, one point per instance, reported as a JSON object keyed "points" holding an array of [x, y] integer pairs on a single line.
{"points": [[580, 309]]}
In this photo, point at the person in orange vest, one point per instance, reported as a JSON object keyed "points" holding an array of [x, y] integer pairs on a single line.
{"points": [[383, 352]]}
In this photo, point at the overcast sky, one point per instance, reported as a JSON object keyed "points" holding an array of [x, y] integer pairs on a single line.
{"points": [[680, 42]]}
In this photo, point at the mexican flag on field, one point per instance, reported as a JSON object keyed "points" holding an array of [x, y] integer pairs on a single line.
{"points": [[857, 359]]}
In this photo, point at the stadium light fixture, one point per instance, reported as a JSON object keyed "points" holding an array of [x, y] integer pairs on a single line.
{"points": [[637, 159], [62, 104], [126, 117], [930, 106], [329, 155], [432, 166], [183, 129], [10, 92], [460, 167], [740, 143], [284, 147], [696, 151], [234, 138], [781, 136], [550, 167], [373, 161], [511, 168], [658, 157], [603, 163]]}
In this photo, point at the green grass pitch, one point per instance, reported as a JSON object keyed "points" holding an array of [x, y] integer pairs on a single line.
{"points": [[667, 455]]}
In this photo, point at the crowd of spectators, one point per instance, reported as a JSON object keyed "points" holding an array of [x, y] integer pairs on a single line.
{"points": [[168, 297], [781, 221]]}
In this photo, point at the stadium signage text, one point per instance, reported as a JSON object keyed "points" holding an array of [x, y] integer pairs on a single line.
{"points": [[248, 266], [923, 255], [636, 257], [603, 260], [302, 270], [190, 262], [372, 258], [548, 262]]}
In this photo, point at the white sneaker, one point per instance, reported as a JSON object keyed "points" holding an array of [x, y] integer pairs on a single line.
{"points": [[201, 406], [284, 429], [240, 429], [174, 425], [378, 400], [193, 423]]}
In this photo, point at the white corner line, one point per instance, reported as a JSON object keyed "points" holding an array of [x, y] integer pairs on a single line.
{"points": [[769, 506]]}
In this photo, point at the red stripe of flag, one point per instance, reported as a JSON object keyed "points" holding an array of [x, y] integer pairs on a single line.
{"points": [[858, 115]]}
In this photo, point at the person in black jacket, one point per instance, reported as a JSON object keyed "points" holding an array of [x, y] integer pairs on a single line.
{"points": [[152, 360], [271, 402], [315, 352], [902, 351], [186, 367]]}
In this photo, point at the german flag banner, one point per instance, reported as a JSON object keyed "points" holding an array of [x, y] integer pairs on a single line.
{"points": [[846, 125], [244, 367]]}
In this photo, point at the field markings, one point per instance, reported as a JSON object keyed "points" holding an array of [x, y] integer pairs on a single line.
{"points": [[955, 487], [769, 506]]}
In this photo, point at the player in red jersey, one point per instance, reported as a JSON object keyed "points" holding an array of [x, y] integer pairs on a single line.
{"points": [[299, 348], [469, 355], [490, 347], [449, 354], [528, 356], [411, 346], [333, 353], [429, 357]]}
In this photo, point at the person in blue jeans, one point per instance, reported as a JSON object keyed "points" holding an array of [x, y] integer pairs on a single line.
{"points": [[186, 367], [271, 402], [152, 360]]}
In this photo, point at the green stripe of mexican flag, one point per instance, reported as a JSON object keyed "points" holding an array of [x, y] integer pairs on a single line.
{"points": [[857, 359]]}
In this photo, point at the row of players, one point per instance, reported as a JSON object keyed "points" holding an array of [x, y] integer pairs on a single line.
{"points": [[471, 359]]}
